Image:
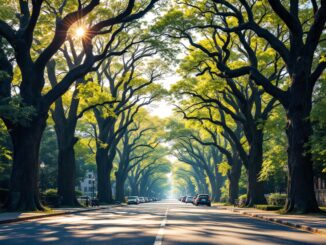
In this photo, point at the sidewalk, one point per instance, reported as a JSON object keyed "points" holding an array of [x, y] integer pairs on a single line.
{"points": [[311, 223], [10, 217]]}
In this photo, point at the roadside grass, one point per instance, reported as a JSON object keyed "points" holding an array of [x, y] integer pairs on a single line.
{"points": [[321, 213], [267, 207], [221, 204]]}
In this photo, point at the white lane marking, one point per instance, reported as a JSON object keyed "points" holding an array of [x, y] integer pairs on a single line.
{"points": [[160, 234]]}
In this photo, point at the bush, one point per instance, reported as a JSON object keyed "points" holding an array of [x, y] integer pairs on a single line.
{"points": [[268, 207], [78, 193], [242, 200], [50, 193], [51, 197], [276, 199]]}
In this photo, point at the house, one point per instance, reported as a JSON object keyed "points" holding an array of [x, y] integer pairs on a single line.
{"points": [[320, 190], [88, 185]]}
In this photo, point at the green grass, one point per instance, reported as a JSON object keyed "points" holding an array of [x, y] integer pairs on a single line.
{"points": [[221, 203], [268, 207]]}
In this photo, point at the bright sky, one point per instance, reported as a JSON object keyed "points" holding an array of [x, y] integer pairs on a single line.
{"points": [[164, 108]]}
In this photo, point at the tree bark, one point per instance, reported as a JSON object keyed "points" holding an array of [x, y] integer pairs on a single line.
{"points": [[255, 191], [120, 183], [214, 188], [301, 193], [103, 176], [24, 186], [134, 190], [67, 170], [234, 177]]}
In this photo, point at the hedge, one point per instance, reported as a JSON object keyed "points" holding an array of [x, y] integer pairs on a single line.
{"points": [[276, 199], [268, 207]]}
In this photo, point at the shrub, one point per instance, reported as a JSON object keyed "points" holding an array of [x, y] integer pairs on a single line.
{"points": [[78, 193], [51, 197], [277, 199], [268, 207], [242, 200], [50, 193]]}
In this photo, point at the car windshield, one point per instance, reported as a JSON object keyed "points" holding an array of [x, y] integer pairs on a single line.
{"points": [[203, 196], [132, 198]]}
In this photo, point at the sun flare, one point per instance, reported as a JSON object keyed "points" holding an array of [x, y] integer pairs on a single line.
{"points": [[80, 32]]}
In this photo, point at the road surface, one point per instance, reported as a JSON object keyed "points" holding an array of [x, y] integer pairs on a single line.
{"points": [[160, 223]]}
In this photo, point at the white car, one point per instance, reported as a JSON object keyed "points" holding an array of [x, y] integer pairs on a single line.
{"points": [[141, 199], [133, 200]]}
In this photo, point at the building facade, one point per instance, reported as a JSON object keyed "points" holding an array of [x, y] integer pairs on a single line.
{"points": [[88, 185], [320, 190]]}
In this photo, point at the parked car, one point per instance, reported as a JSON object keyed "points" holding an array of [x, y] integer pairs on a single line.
{"points": [[141, 199], [188, 199], [194, 199], [133, 200], [203, 199]]}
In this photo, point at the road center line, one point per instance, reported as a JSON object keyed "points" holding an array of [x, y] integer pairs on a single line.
{"points": [[160, 234]]}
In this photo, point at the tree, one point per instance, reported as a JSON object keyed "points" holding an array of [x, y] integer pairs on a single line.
{"points": [[136, 146], [26, 138], [131, 82], [299, 53]]}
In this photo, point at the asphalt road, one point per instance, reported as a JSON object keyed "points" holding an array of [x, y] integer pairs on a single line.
{"points": [[161, 223]]}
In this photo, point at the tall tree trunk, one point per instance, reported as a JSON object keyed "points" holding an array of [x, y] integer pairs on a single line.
{"points": [[103, 176], [234, 177], [219, 182], [214, 187], [255, 191], [24, 186], [134, 190], [301, 193], [67, 169], [133, 185], [120, 184]]}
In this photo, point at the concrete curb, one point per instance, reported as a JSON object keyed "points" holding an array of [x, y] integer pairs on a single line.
{"points": [[278, 221], [41, 216]]}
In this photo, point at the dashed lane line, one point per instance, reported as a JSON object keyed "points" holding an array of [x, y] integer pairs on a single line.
{"points": [[160, 234]]}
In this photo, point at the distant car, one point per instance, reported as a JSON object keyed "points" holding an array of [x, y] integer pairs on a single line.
{"points": [[194, 199], [133, 200], [203, 199], [146, 199], [184, 199], [188, 199], [141, 199]]}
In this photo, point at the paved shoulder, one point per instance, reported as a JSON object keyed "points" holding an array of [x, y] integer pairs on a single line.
{"points": [[188, 224]]}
